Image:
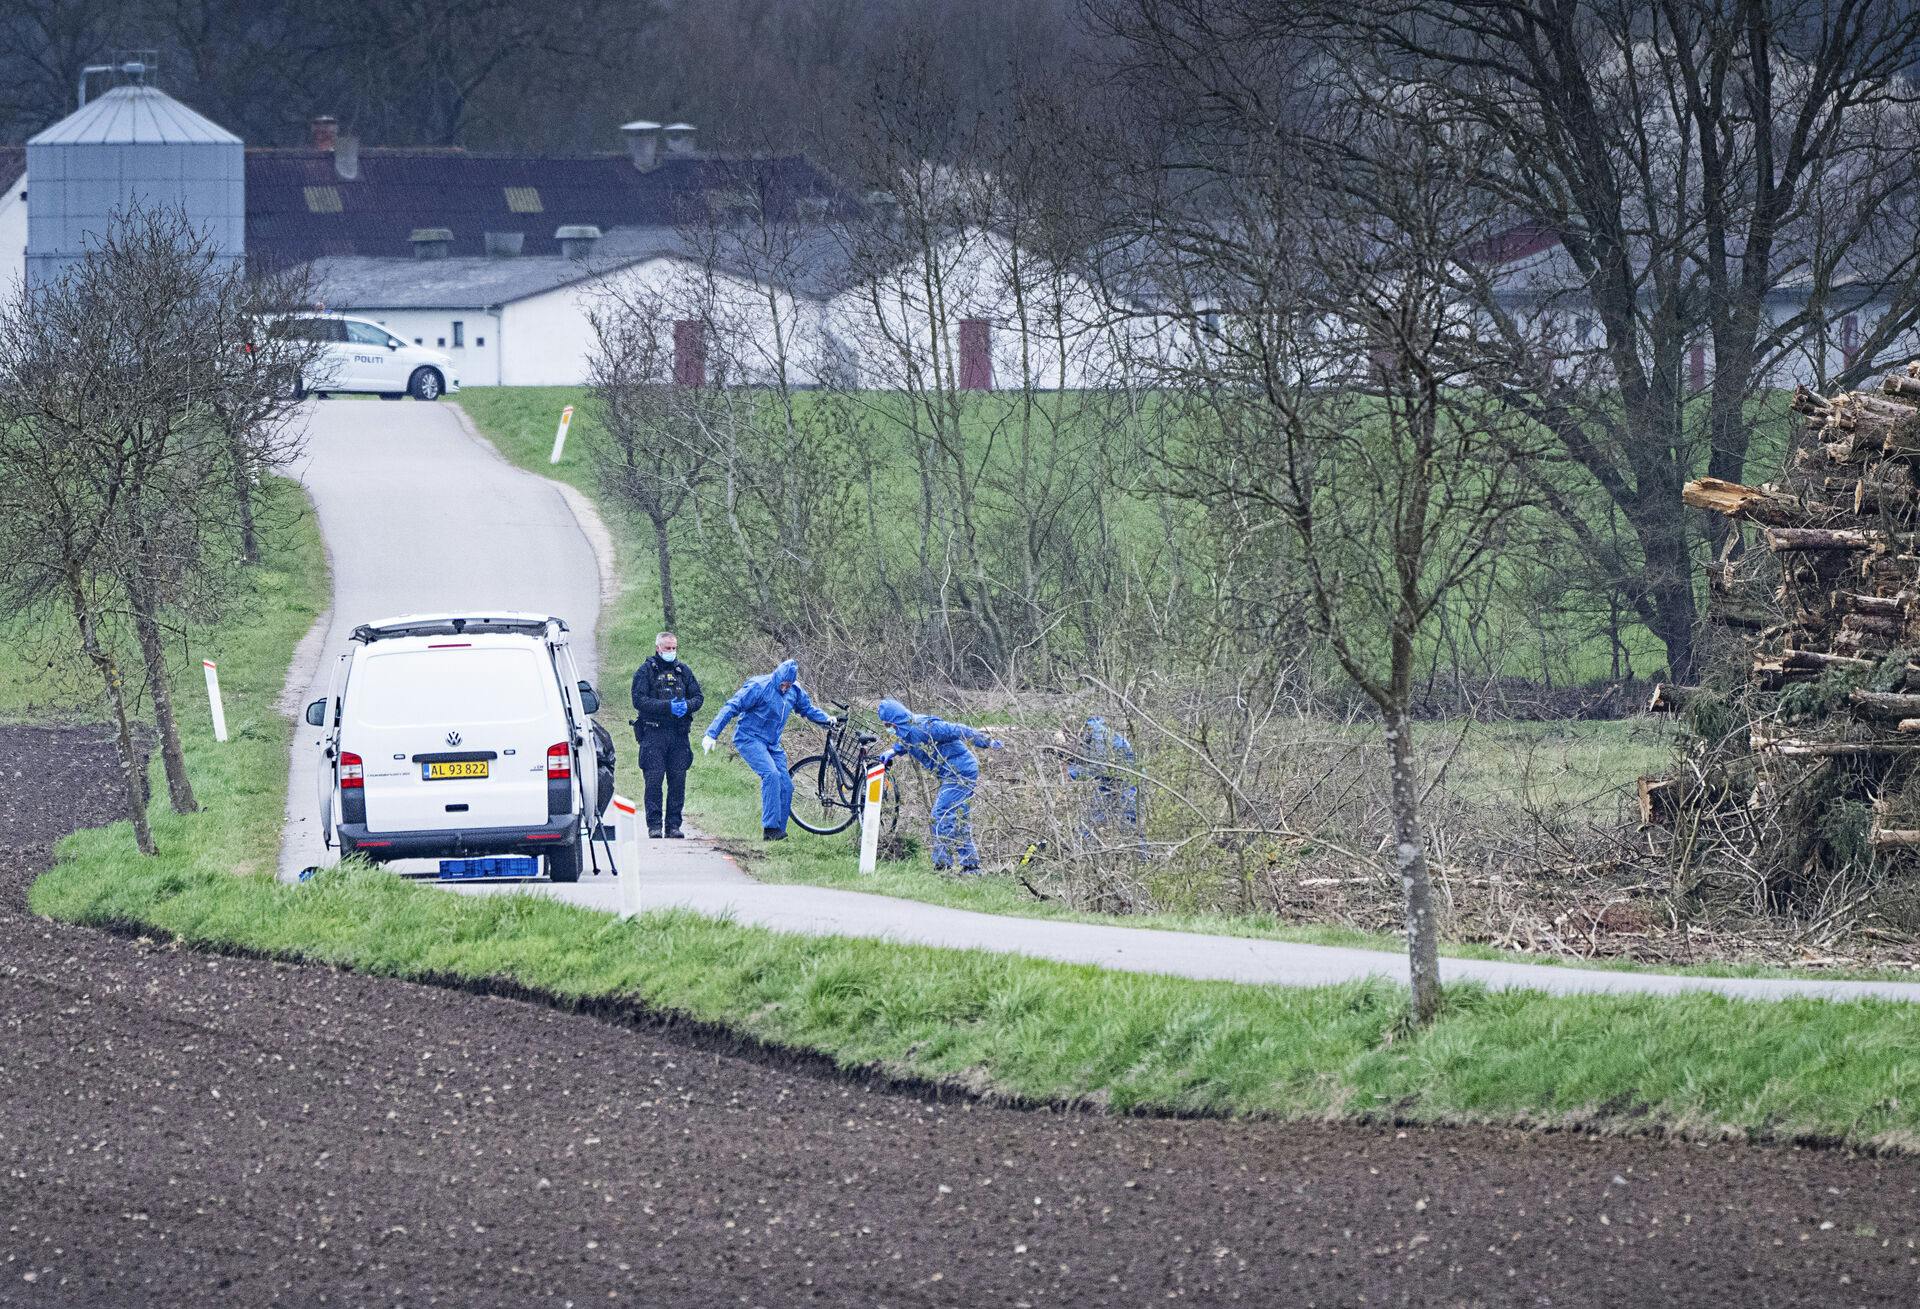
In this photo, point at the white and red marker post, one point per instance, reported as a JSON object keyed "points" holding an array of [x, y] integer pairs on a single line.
{"points": [[870, 817], [213, 699], [628, 840], [560, 435]]}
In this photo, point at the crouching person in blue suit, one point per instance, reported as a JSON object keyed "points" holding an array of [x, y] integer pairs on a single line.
{"points": [[1106, 759], [763, 706], [940, 747]]}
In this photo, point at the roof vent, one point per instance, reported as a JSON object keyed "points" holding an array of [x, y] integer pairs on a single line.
{"points": [[680, 138], [431, 242], [577, 240], [643, 142], [504, 245], [325, 129]]}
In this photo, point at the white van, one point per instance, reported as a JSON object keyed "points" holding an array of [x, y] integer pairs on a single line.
{"points": [[358, 355], [455, 736]]}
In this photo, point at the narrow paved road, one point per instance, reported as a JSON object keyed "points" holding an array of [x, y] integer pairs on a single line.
{"points": [[421, 517], [183, 1130]]}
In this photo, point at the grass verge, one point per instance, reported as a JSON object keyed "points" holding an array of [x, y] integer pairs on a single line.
{"points": [[1020, 1028]]}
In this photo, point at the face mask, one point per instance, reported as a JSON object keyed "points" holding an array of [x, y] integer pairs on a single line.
{"points": [[668, 656]]}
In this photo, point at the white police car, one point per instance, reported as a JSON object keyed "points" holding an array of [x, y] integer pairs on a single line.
{"points": [[466, 738], [358, 355]]}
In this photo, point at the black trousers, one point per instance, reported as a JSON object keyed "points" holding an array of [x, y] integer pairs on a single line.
{"points": [[665, 758]]}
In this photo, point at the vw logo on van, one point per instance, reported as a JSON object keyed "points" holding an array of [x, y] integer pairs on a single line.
{"points": [[453, 738]]}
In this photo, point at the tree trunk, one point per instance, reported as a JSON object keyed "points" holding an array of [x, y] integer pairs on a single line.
{"points": [[243, 499], [1410, 859], [664, 549], [133, 770], [153, 653], [1676, 613]]}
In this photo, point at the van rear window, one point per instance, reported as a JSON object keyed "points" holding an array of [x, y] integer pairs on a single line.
{"points": [[449, 688]]}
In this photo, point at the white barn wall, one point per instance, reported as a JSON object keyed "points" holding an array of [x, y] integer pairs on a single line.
{"points": [[875, 336], [478, 360], [13, 238], [900, 335], [549, 337]]}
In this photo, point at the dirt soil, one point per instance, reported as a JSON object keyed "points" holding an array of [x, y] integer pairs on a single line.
{"points": [[178, 1129]]}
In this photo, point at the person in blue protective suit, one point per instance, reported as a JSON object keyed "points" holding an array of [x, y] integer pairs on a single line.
{"points": [[763, 706], [1106, 759], [940, 747]]}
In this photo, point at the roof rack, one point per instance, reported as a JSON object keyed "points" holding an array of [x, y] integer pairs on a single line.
{"points": [[457, 625]]}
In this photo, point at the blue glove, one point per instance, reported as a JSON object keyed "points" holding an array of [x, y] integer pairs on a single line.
{"points": [[996, 745], [886, 756], [679, 708]]}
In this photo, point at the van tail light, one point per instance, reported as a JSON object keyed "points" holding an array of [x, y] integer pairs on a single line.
{"points": [[559, 762], [351, 771]]}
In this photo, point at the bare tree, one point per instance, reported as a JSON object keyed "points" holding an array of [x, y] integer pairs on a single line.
{"points": [[256, 384], [60, 496], [641, 442], [1314, 350], [157, 329], [1707, 190]]}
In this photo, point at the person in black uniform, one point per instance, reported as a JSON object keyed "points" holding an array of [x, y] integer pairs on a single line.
{"points": [[666, 696]]}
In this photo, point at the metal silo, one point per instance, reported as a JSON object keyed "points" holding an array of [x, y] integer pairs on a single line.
{"points": [[135, 145]]}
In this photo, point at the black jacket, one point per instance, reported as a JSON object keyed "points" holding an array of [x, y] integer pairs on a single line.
{"points": [[656, 684]]}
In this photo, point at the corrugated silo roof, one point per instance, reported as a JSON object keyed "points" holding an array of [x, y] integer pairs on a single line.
{"points": [[135, 115]]}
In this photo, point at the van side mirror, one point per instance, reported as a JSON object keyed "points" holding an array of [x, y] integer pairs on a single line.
{"points": [[317, 714], [589, 698], [393, 343]]}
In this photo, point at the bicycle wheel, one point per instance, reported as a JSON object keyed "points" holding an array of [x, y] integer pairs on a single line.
{"points": [[824, 801]]}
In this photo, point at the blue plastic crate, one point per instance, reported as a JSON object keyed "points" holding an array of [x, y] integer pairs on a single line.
{"points": [[511, 865]]}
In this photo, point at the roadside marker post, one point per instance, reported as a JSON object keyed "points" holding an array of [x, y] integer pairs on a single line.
{"points": [[870, 817], [213, 699], [560, 436], [629, 838]]}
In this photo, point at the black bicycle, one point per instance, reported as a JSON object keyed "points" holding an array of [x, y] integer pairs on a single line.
{"points": [[830, 788]]}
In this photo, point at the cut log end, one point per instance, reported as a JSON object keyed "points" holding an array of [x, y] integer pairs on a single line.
{"points": [[1659, 800]]}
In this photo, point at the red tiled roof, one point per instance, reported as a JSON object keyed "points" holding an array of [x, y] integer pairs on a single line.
{"points": [[1518, 242]]}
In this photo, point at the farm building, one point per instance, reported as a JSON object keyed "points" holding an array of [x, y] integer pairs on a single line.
{"points": [[528, 320], [501, 260]]}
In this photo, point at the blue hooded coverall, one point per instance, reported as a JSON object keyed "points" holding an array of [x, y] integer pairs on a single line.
{"points": [[940, 747], [763, 709], [1107, 760]]}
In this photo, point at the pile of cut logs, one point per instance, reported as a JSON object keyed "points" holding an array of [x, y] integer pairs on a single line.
{"points": [[1844, 529]]}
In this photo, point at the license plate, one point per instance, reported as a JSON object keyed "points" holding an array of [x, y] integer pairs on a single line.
{"points": [[449, 769], [511, 865]]}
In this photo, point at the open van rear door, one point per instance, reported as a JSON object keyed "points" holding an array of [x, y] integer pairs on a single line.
{"points": [[586, 754], [330, 751]]}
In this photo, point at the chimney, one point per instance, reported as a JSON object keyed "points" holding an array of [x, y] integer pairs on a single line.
{"points": [[431, 242], [577, 240], [643, 142], [504, 245], [680, 139], [346, 158], [325, 129]]}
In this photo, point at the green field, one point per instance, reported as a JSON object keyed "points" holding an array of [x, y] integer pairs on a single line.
{"points": [[1157, 545]]}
